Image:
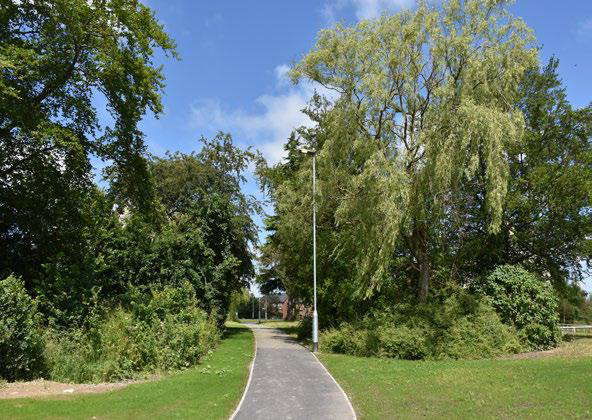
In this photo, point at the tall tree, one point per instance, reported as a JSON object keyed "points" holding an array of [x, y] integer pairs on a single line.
{"points": [[427, 98], [547, 216], [210, 237], [55, 57]]}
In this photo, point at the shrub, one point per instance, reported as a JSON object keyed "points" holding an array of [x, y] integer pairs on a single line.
{"points": [[21, 344], [403, 342], [161, 332], [525, 301], [474, 336], [347, 340], [460, 327], [305, 328], [70, 356]]}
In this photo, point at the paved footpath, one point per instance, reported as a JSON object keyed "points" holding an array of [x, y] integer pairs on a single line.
{"points": [[288, 382]]}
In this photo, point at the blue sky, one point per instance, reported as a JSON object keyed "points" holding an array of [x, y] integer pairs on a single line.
{"points": [[235, 54]]}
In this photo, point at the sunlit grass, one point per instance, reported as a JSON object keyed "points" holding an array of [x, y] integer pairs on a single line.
{"points": [[209, 391], [559, 386]]}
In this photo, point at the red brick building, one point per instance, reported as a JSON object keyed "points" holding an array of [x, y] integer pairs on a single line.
{"points": [[292, 310]]}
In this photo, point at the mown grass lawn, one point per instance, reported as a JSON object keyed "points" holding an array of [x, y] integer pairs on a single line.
{"points": [[550, 388], [273, 323], [209, 391]]}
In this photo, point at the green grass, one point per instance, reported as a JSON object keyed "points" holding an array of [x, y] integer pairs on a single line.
{"points": [[274, 323], [209, 391], [289, 327], [550, 388]]}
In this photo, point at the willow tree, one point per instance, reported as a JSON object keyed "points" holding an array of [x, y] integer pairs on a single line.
{"points": [[425, 99]]}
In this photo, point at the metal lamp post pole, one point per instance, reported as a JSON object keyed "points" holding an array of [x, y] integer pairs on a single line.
{"points": [[315, 316]]}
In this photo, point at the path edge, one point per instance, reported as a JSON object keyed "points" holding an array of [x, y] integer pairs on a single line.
{"points": [[351, 407], [240, 403]]}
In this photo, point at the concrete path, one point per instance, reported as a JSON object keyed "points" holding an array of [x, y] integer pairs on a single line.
{"points": [[288, 382]]}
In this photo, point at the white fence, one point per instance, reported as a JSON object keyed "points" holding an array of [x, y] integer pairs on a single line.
{"points": [[576, 329]]}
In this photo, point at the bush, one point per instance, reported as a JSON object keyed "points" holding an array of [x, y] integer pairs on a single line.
{"points": [[161, 332], [347, 340], [403, 342], [475, 336], [461, 327], [305, 328], [21, 344], [525, 301], [70, 356]]}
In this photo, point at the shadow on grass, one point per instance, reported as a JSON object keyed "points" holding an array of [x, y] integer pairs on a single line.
{"points": [[232, 331], [292, 331]]}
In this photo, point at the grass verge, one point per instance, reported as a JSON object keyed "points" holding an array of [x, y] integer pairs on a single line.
{"points": [[554, 387], [289, 327], [208, 391]]}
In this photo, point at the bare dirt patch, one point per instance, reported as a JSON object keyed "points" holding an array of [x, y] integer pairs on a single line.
{"points": [[42, 388]]}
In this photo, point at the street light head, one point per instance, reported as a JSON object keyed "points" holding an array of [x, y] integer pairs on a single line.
{"points": [[307, 151]]}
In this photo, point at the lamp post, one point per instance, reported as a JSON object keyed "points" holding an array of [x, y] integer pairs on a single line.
{"points": [[315, 316]]}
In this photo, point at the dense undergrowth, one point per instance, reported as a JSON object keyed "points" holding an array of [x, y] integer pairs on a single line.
{"points": [[511, 311], [136, 292], [157, 332], [461, 328]]}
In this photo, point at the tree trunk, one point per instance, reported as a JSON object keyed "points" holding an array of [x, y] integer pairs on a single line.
{"points": [[424, 278], [419, 247]]}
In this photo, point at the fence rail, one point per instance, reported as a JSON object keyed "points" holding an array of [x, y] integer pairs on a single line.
{"points": [[576, 329]]}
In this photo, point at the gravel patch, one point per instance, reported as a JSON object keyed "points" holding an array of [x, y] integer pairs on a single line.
{"points": [[43, 388]]}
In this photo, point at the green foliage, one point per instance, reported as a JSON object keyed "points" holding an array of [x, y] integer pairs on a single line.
{"points": [[238, 300], [205, 238], [576, 306], [210, 391], [547, 223], [402, 342], [458, 328], [346, 339], [160, 332], [413, 90], [204, 234], [478, 335], [21, 343], [525, 301], [138, 278], [56, 57], [400, 211]]}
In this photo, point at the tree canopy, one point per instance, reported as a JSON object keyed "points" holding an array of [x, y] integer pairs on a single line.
{"points": [[446, 152], [427, 98], [56, 58], [547, 219]]}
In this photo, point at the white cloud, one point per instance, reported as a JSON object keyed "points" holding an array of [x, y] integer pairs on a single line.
{"points": [[281, 74], [364, 9], [269, 129], [585, 27]]}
